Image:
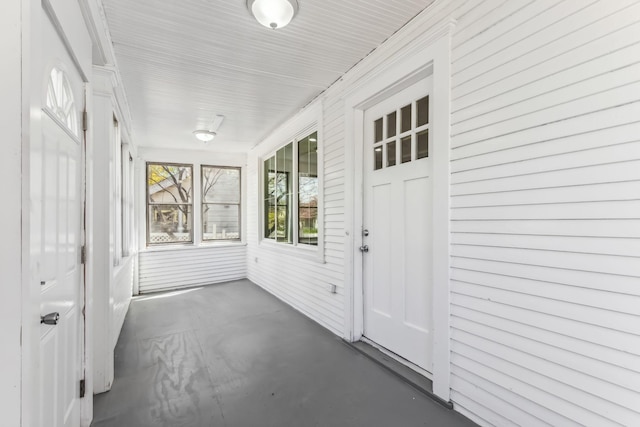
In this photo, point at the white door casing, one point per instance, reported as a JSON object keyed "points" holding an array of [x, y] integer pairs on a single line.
{"points": [[397, 266], [56, 234], [409, 60]]}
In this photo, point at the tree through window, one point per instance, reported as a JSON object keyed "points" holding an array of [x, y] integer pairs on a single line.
{"points": [[169, 203], [291, 193]]}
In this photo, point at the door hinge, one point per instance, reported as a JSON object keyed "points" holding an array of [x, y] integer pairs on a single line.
{"points": [[85, 121], [82, 388], [83, 255]]}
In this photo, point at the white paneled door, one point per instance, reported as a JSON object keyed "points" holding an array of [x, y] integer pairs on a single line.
{"points": [[397, 254], [57, 201]]}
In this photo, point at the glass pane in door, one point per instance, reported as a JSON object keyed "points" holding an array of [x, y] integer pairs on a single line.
{"points": [[406, 149], [423, 144], [391, 124], [405, 118], [377, 158], [423, 111], [391, 153]]}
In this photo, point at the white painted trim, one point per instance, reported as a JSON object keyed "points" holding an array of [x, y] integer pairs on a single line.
{"points": [[96, 21], [100, 257], [429, 54], [31, 134], [441, 131], [190, 247], [63, 19], [14, 253]]}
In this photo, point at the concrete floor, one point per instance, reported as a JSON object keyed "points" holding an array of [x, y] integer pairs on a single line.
{"points": [[233, 355]]}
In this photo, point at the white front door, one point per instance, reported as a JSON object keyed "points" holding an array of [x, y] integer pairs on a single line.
{"points": [[397, 254], [57, 201]]}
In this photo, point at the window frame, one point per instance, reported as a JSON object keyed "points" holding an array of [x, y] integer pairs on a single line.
{"points": [[149, 244], [305, 123], [128, 200], [203, 203]]}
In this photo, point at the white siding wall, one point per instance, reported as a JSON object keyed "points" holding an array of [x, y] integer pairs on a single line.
{"points": [[179, 266], [545, 209], [546, 213], [184, 267], [293, 275]]}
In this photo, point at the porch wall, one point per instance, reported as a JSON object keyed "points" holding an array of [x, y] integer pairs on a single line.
{"points": [[545, 182], [177, 266], [545, 286], [292, 275]]}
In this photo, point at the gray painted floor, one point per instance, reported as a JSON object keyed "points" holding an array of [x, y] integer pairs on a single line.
{"points": [[233, 355]]}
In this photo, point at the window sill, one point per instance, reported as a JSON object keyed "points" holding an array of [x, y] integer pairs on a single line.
{"points": [[312, 253], [191, 246]]}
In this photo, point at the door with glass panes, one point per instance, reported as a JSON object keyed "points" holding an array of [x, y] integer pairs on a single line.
{"points": [[57, 198], [397, 242]]}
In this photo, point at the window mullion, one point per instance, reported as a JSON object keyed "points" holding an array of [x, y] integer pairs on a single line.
{"points": [[294, 203]]}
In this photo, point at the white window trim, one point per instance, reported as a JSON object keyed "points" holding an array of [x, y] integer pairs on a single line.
{"points": [[202, 240], [118, 205], [128, 213], [195, 159], [307, 121], [194, 202]]}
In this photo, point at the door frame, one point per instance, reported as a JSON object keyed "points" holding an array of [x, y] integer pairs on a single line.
{"points": [[427, 55]]}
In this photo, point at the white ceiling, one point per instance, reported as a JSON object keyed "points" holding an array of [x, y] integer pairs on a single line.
{"points": [[183, 62]]}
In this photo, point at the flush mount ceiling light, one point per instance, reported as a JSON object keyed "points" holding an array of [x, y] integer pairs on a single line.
{"points": [[204, 135], [273, 13]]}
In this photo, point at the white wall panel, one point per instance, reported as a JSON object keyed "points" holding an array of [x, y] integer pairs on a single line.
{"points": [[545, 215], [293, 275], [184, 267], [121, 292]]}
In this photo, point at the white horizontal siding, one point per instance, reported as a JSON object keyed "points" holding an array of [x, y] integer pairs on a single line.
{"points": [[545, 213], [297, 278], [185, 267]]}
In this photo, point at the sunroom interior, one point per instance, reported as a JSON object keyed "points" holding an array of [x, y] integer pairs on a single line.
{"points": [[394, 200]]}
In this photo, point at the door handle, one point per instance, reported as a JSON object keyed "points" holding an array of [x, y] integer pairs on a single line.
{"points": [[364, 248], [50, 319]]}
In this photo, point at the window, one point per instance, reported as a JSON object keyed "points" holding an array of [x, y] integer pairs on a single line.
{"points": [[291, 193], [128, 207], [308, 190], [405, 138], [169, 203], [118, 217], [60, 100], [220, 203]]}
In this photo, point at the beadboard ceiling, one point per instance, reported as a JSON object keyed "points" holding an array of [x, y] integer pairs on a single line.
{"points": [[183, 62]]}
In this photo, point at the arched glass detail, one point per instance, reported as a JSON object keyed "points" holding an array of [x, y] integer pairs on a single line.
{"points": [[60, 100]]}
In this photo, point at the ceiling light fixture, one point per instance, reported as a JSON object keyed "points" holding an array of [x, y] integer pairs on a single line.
{"points": [[204, 135], [273, 13]]}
